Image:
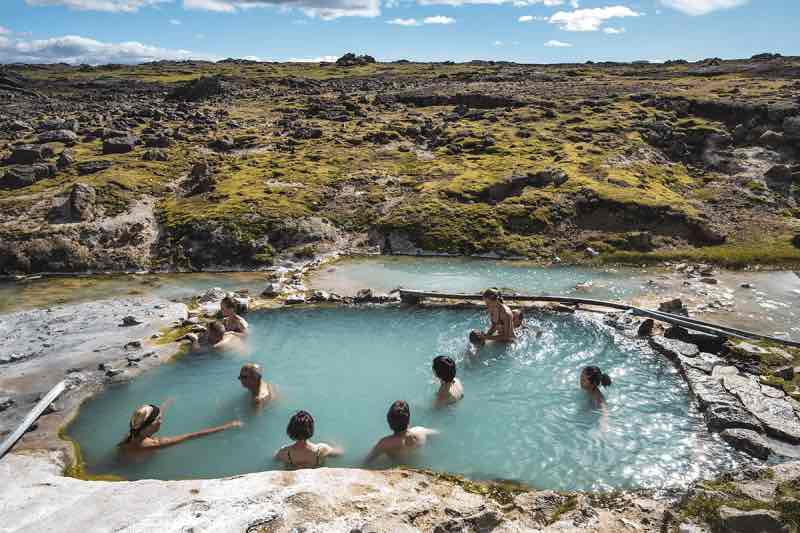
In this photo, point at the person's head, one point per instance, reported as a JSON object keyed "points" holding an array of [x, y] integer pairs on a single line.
{"points": [[301, 426], [399, 416], [492, 296], [216, 332], [444, 368], [145, 421], [592, 377], [228, 306], [250, 376], [476, 338]]}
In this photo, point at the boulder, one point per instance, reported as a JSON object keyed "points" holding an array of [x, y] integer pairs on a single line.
{"points": [[26, 175], [791, 128], [796, 240], [708, 389], [775, 414], [201, 89], [159, 140], [646, 328], [747, 441], [705, 362], [155, 154], [120, 145], [66, 159], [771, 138], [704, 341], [779, 175], [674, 307], [272, 290], [673, 348], [59, 124], [201, 179], [223, 144], [63, 136], [81, 204], [92, 167], [214, 294], [720, 417], [757, 521], [28, 154]]}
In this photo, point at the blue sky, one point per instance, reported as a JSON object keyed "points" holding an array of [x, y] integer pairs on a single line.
{"points": [[539, 31]]}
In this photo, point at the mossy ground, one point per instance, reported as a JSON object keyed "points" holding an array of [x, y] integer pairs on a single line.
{"points": [[376, 171]]}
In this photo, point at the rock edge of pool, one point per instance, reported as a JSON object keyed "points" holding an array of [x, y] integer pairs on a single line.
{"points": [[86, 343]]}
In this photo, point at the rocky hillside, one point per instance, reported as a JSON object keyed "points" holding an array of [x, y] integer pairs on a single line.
{"points": [[192, 165]]}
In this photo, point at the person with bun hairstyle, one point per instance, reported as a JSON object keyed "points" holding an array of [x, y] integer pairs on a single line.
{"points": [[146, 421], [450, 390], [501, 317], [304, 453], [591, 379]]}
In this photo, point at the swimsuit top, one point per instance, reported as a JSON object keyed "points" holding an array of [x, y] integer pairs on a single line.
{"points": [[291, 463]]}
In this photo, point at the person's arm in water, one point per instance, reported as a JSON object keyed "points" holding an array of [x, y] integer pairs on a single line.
{"points": [[160, 442], [327, 450], [375, 452]]}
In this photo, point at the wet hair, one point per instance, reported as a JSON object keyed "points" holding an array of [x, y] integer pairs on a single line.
{"points": [[216, 327], [399, 416], [475, 337], [301, 426], [254, 368], [444, 368], [493, 294], [596, 376], [229, 302], [141, 418]]}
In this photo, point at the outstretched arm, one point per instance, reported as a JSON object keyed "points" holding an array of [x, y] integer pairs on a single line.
{"points": [[161, 442]]}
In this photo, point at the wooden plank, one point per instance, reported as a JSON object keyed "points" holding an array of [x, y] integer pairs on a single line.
{"points": [[37, 411]]}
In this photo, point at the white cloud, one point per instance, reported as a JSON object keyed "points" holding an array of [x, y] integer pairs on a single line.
{"points": [[4, 31], [175, 22], [702, 7], [497, 43], [556, 44], [438, 19], [320, 59], [75, 50], [403, 22], [110, 6], [613, 31], [324, 9], [528, 18], [590, 19]]}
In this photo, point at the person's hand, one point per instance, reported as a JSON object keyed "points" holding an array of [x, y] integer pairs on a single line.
{"points": [[234, 424]]}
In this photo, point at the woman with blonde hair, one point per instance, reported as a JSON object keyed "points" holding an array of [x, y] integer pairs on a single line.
{"points": [[146, 421]]}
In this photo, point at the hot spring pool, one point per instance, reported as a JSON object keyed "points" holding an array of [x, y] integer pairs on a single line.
{"points": [[523, 417]]}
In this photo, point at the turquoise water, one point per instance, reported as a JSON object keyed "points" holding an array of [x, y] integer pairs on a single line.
{"points": [[451, 274], [523, 417]]}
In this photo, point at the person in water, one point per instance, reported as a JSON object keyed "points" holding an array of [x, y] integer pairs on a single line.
{"points": [[304, 453], [403, 439], [233, 322], [501, 317], [145, 423], [450, 390], [216, 337], [251, 378], [591, 379]]}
